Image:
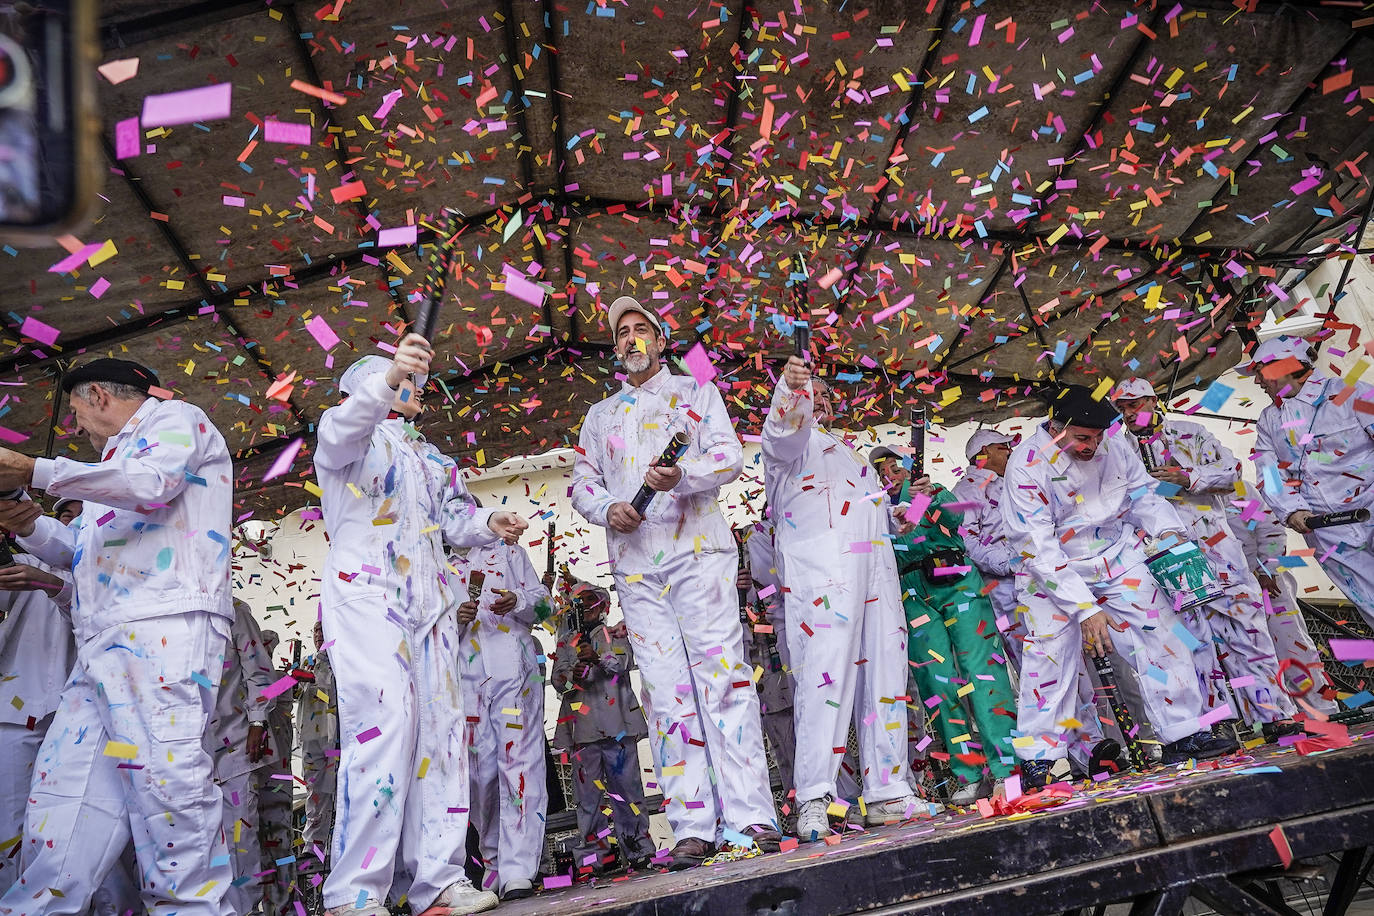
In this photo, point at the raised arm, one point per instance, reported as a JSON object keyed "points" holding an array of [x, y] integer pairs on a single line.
{"points": [[345, 432]]}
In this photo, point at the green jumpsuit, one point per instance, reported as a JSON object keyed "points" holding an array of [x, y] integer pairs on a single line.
{"points": [[952, 639]]}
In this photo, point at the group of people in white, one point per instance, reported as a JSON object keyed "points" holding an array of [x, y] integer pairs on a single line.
{"points": [[869, 598]]}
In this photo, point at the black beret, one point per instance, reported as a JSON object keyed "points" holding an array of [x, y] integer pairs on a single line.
{"points": [[117, 371], [1074, 405]]}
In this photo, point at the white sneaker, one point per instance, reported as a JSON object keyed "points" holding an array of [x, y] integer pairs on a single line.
{"points": [[813, 821], [462, 897], [370, 908], [895, 810], [967, 794]]}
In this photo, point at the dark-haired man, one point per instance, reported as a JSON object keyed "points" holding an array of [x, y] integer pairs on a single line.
{"points": [[1078, 505]]}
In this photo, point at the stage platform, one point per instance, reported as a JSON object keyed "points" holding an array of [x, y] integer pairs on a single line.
{"points": [[1216, 833]]}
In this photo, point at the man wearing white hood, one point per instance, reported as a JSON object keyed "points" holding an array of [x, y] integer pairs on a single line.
{"points": [[1314, 452], [390, 502]]}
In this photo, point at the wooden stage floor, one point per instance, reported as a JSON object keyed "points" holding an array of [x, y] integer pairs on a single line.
{"points": [[1151, 837]]}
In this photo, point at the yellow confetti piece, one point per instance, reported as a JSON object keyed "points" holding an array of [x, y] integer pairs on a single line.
{"points": [[424, 768], [837, 809], [676, 770], [1070, 723], [965, 738], [121, 749], [636, 577], [965, 690], [510, 711]]}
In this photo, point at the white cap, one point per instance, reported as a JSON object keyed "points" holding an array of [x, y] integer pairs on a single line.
{"points": [[1279, 348], [372, 364], [982, 438], [1133, 388], [625, 304]]}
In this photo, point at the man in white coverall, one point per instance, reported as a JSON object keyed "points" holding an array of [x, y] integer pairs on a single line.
{"points": [[674, 571], [238, 740], [1198, 475], [1314, 453], [979, 492], [1300, 663], [388, 605], [1077, 505], [149, 558], [846, 629], [503, 700], [36, 655]]}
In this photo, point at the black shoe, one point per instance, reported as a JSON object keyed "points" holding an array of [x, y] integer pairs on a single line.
{"points": [[1200, 746], [1227, 729], [518, 889], [1035, 774], [640, 863], [1273, 731], [689, 853], [1106, 758], [765, 837]]}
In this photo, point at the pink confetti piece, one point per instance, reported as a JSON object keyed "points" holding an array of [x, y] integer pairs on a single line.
{"points": [[831, 277], [278, 687], [74, 260], [283, 462], [127, 138], [207, 103], [893, 309], [523, 289], [699, 364], [99, 287], [920, 502], [34, 329], [388, 100], [286, 132], [1222, 712], [373, 732], [1353, 650], [397, 235], [555, 881], [117, 71], [320, 330], [12, 437]]}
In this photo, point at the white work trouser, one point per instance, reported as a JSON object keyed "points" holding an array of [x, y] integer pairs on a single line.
{"points": [[320, 767], [400, 715], [125, 758], [510, 797], [1347, 556], [698, 693], [1053, 658], [846, 631], [1300, 664], [241, 833], [18, 751]]}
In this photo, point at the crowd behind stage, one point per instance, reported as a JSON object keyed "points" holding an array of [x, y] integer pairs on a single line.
{"points": [[1108, 593]]}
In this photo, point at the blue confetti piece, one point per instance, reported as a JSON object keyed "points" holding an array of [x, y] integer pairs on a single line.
{"points": [[1185, 637], [1215, 396], [1363, 698]]}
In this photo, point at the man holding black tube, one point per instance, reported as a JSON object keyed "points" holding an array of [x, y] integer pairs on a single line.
{"points": [[1314, 453], [674, 569]]}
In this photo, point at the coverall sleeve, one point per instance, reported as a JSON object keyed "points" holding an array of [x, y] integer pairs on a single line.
{"points": [[170, 445], [589, 494], [345, 432], [719, 457], [52, 542], [787, 428]]}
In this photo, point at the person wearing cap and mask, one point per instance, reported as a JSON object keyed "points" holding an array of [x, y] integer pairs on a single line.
{"points": [[1265, 541], [834, 524], [1198, 475], [151, 612], [952, 636], [1314, 453], [600, 724], [1077, 503], [67, 510], [979, 490], [503, 699], [674, 570], [388, 603]]}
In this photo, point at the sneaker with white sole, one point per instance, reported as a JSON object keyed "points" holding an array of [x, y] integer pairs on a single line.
{"points": [[895, 810], [517, 889], [370, 908], [967, 794], [813, 819], [462, 897]]}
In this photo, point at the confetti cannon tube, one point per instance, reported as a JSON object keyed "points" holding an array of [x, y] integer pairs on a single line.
{"points": [[1124, 720], [677, 447], [1332, 519], [918, 442]]}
